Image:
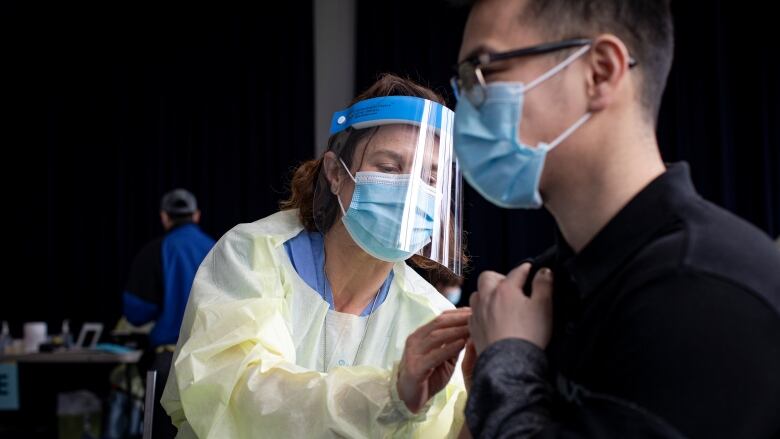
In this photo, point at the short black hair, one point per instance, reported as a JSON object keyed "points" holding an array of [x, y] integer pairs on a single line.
{"points": [[644, 26]]}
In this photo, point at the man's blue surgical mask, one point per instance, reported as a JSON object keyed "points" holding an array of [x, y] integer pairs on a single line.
{"points": [[487, 142]]}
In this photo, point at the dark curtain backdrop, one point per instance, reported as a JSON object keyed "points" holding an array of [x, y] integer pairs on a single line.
{"points": [[721, 110], [128, 100], [111, 104]]}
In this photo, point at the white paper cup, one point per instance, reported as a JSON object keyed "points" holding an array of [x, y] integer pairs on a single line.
{"points": [[34, 335]]}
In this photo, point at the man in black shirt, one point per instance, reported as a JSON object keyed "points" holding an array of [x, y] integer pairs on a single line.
{"points": [[657, 313]]}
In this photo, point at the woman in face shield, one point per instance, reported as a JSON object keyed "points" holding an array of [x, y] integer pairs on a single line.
{"points": [[309, 323]]}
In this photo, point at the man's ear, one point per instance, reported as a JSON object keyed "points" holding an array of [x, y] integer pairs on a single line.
{"points": [[165, 220], [608, 61]]}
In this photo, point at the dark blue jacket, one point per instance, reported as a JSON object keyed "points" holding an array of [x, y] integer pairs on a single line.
{"points": [[161, 278]]}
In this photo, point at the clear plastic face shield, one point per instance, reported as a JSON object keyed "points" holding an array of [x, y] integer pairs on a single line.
{"points": [[393, 181]]}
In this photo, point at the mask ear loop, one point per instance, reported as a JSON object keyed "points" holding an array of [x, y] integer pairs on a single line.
{"points": [[550, 73], [338, 197], [569, 131], [547, 75], [347, 169]]}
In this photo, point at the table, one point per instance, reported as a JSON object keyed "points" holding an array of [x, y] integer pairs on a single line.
{"points": [[82, 356], [74, 356]]}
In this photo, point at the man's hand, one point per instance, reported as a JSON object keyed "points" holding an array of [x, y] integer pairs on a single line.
{"points": [[469, 361], [500, 309]]}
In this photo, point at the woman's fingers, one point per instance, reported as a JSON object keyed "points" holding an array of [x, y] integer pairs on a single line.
{"points": [[440, 337], [436, 357], [449, 318]]}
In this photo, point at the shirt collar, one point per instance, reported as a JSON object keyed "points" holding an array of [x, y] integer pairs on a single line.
{"points": [[653, 208]]}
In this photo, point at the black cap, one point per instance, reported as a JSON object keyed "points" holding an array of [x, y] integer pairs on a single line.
{"points": [[179, 202]]}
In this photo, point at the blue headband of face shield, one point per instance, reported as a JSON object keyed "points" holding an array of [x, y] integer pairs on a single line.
{"points": [[388, 110]]}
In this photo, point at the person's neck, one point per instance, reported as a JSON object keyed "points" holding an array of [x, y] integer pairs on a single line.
{"points": [[595, 191], [355, 276]]}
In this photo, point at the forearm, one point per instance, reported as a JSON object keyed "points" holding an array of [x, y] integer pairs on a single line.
{"points": [[510, 395]]}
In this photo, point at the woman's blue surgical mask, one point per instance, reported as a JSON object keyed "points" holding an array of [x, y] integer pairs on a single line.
{"points": [[487, 142], [375, 217]]}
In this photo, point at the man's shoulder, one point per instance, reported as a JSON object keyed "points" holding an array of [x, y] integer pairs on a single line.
{"points": [[708, 244]]}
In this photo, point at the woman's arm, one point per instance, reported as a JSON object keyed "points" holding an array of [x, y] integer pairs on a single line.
{"points": [[236, 375]]}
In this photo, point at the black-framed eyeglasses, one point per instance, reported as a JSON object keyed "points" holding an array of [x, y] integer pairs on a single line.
{"points": [[470, 82]]}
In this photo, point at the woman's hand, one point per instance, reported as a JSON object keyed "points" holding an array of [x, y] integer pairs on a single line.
{"points": [[430, 356]]}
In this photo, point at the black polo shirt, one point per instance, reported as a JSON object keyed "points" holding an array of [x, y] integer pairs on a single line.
{"points": [[666, 324]]}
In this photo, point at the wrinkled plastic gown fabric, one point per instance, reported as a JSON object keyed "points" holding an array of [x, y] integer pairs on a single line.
{"points": [[249, 356]]}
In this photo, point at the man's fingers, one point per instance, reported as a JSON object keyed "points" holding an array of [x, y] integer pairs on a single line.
{"points": [[471, 355], [518, 276], [488, 281], [443, 336], [542, 285], [474, 300]]}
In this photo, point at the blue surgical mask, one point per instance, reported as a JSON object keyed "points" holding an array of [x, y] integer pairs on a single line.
{"points": [[375, 215], [453, 295], [487, 142]]}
